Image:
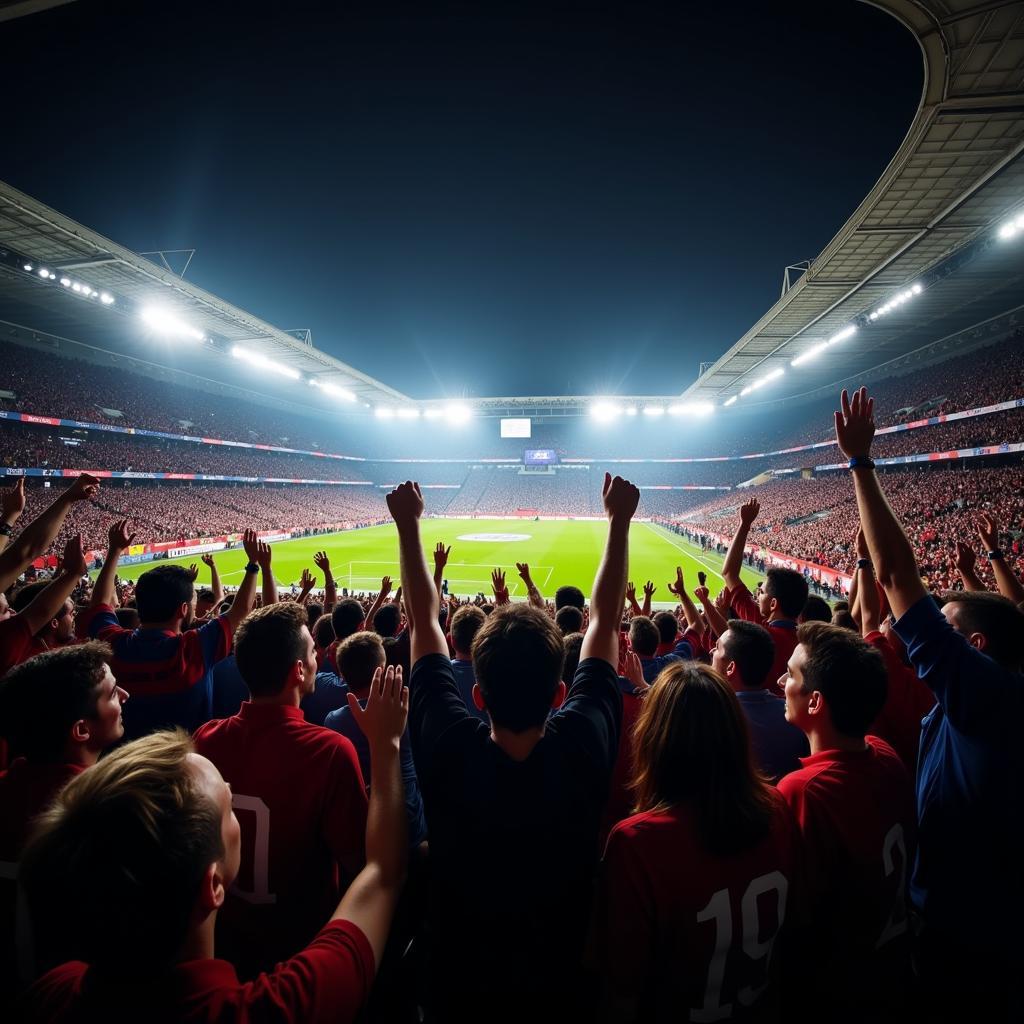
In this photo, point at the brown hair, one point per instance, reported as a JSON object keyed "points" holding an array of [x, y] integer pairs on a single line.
{"points": [[643, 635], [517, 660], [997, 618], [464, 625], [323, 631], [691, 743], [359, 656], [267, 644], [127, 844]]}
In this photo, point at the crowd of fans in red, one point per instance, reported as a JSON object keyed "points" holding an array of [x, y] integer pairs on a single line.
{"points": [[416, 808]]}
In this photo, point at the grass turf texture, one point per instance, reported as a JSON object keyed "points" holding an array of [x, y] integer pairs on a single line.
{"points": [[558, 553]]}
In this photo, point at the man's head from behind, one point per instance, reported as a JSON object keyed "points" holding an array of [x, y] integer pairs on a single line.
{"points": [[816, 609], [667, 626], [569, 620], [59, 630], [517, 661], [387, 619], [643, 636], [993, 624], [783, 594], [165, 596], [143, 846], [834, 680], [743, 655], [347, 617], [359, 656], [64, 705], [275, 652], [466, 623], [569, 596]]}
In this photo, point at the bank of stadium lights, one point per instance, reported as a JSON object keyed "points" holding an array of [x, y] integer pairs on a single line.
{"points": [[333, 389], [456, 414], [766, 379], [262, 362], [731, 401], [162, 322], [895, 302], [1012, 228], [691, 409], [86, 291], [815, 350]]}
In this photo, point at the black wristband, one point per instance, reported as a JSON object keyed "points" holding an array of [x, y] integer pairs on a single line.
{"points": [[6, 529], [864, 563], [862, 462], [994, 556], [252, 567]]}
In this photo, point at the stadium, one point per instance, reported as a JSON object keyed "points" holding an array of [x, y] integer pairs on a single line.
{"points": [[209, 433]]}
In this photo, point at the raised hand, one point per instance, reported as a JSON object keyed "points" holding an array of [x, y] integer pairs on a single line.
{"points": [[749, 511], [405, 503], [73, 562], [703, 595], [83, 489], [620, 498], [118, 537], [322, 562], [193, 571], [523, 569], [966, 558], [679, 587], [855, 424], [387, 707], [634, 672], [498, 586], [630, 592], [14, 502], [649, 589], [207, 560], [262, 555], [988, 531], [861, 545], [441, 555], [308, 581], [385, 586], [250, 544]]}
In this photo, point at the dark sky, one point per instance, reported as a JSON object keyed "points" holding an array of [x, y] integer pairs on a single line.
{"points": [[469, 199]]}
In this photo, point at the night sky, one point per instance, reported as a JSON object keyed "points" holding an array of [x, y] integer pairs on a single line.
{"points": [[469, 199]]}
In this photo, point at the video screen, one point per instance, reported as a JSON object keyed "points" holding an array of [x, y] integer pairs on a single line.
{"points": [[515, 427], [540, 457]]}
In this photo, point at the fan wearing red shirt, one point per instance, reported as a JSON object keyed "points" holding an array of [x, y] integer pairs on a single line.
{"points": [[141, 850], [854, 803], [165, 665], [297, 791], [779, 601], [697, 887], [59, 711]]}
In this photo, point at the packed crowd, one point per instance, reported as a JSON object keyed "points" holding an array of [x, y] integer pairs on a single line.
{"points": [[410, 807]]}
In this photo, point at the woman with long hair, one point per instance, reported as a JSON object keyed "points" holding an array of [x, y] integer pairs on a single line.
{"points": [[697, 884]]}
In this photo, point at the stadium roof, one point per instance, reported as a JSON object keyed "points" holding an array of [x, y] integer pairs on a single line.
{"points": [[958, 173], [41, 237]]}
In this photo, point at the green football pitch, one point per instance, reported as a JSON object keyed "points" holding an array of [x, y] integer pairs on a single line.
{"points": [[564, 552]]}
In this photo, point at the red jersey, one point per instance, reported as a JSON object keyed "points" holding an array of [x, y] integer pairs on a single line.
{"points": [[15, 642], [689, 934], [783, 633], [620, 798], [328, 981], [300, 800], [856, 814], [907, 701]]}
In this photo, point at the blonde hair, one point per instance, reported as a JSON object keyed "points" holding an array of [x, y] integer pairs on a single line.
{"points": [[127, 844]]}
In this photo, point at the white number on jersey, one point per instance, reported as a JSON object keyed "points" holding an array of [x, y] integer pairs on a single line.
{"points": [[260, 892]]}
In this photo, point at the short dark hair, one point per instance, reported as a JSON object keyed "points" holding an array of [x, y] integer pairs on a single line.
{"points": [[387, 620], [643, 635], [789, 588], [569, 596], [205, 594], [465, 623], [26, 594], [347, 617], [997, 618], [841, 606], [323, 631], [518, 655], [667, 625], [313, 612], [573, 645], [751, 646], [359, 656], [816, 609], [160, 592], [844, 620], [127, 617], [42, 698], [569, 619], [267, 644], [847, 671]]}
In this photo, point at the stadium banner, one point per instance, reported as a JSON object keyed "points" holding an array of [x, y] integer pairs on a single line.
{"points": [[107, 474], [195, 549], [960, 453], [682, 487]]}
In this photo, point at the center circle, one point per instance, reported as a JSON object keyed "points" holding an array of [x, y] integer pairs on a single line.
{"points": [[494, 538]]}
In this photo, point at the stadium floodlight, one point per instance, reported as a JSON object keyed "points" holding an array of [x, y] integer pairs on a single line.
{"points": [[383, 412], [106, 298], [332, 389], [1012, 227], [433, 413], [163, 322], [896, 301], [767, 378], [847, 332], [263, 363], [66, 282], [407, 412], [654, 410], [731, 401], [457, 414], [604, 411], [631, 410], [44, 273], [28, 267], [813, 352]]}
